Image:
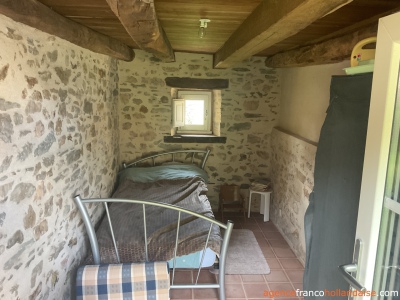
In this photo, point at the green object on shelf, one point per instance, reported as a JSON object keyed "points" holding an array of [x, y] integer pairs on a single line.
{"points": [[365, 66]]}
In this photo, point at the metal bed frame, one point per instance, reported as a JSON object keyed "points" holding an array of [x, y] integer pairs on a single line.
{"points": [[81, 204], [153, 158]]}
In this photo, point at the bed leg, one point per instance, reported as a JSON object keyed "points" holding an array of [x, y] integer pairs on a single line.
{"points": [[222, 261]]}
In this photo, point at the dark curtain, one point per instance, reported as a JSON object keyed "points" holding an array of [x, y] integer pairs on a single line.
{"points": [[331, 217]]}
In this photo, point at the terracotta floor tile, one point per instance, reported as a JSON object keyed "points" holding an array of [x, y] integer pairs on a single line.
{"points": [[291, 263], [278, 243], [250, 220], [283, 252], [273, 263], [180, 293], [273, 235], [255, 290], [297, 285], [295, 275], [263, 243], [251, 226], [276, 276], [252, 278], [234, 291], [205, 277], [259, 234], [267, 226], [268, 252], [182, 276], [205, 293], [233, 279], [257, 216]]}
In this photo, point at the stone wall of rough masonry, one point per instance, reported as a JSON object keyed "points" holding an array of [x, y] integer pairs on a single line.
{"points": [[293, 180], [249, 111], [58, 137]]}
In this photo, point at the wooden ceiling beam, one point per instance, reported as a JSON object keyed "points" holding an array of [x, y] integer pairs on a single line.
{"points": [[39, 16], [331, 51], [140, 21], [271, 22]]}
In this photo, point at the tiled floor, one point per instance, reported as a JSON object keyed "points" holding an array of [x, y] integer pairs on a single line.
{"points": [[286, 270]]}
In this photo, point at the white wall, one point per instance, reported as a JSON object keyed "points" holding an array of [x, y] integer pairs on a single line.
{"points": [[305, 98]]}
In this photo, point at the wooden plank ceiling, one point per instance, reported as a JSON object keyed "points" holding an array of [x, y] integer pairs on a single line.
{"points": [[315, 22]]}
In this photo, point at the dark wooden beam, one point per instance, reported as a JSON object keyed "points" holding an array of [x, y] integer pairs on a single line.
{"points": [[197, 83], [39, 16], [140, 20], [271, 22], [366, 23], [331, 51]]}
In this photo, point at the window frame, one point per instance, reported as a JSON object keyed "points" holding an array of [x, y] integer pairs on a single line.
{"points": [[207, 97]]}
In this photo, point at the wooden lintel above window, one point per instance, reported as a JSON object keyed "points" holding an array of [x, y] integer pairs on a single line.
{"points": [[197, 83]]}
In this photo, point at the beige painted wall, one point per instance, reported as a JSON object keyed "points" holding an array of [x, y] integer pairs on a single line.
{"points": [[305, 98]]}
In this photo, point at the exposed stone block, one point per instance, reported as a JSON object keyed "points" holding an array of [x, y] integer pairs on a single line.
{"points": [[240, 127], [6, 128], [4, 72], [17, 237], [30, 218], [45, 146], [4, 189], [65, 74], [6, 105], [40, 229], [22, 191]]}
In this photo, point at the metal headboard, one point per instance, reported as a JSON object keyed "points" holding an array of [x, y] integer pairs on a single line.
{"points": [[191, 153], [81, 204]]}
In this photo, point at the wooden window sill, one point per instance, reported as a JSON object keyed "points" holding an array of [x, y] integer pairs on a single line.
{"points": [[192, 138]]}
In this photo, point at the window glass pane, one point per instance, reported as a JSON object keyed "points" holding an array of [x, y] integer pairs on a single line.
{"points": [[387, 270], [194, 112], [390, 269]]}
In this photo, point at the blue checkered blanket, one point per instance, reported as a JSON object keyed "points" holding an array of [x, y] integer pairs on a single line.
{"points": [[147, 281]]}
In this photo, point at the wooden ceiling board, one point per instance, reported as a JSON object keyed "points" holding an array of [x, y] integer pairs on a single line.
{"points": [[353, 13], [180, 21]]}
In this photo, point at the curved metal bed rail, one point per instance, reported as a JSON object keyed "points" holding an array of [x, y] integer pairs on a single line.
{"points": [[81, 204], [205, 153]]}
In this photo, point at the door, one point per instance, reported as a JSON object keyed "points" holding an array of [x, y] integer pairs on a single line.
{"points": [[378, 225]]}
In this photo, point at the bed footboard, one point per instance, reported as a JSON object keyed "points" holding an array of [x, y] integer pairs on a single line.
{"points": [[225, 228]]}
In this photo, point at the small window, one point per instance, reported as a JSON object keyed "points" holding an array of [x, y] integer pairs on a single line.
{"points": [[192, 112]]}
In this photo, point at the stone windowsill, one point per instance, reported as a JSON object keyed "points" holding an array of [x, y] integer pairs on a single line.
{"points": [[210, 139]]}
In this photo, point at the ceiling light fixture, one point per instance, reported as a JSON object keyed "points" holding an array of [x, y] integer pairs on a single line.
{"points": [[203, 26]]}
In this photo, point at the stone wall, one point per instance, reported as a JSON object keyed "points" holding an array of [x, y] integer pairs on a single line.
{"points": [[293, 180], [249, 111], [58, 137]]}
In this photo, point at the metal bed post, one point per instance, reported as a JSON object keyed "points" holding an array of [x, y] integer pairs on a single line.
{"points": [[112, 232], [203, 163], [224, 249], [89, 228]]}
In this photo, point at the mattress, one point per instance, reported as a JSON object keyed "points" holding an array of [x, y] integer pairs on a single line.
{"points": [[127, 219]]}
